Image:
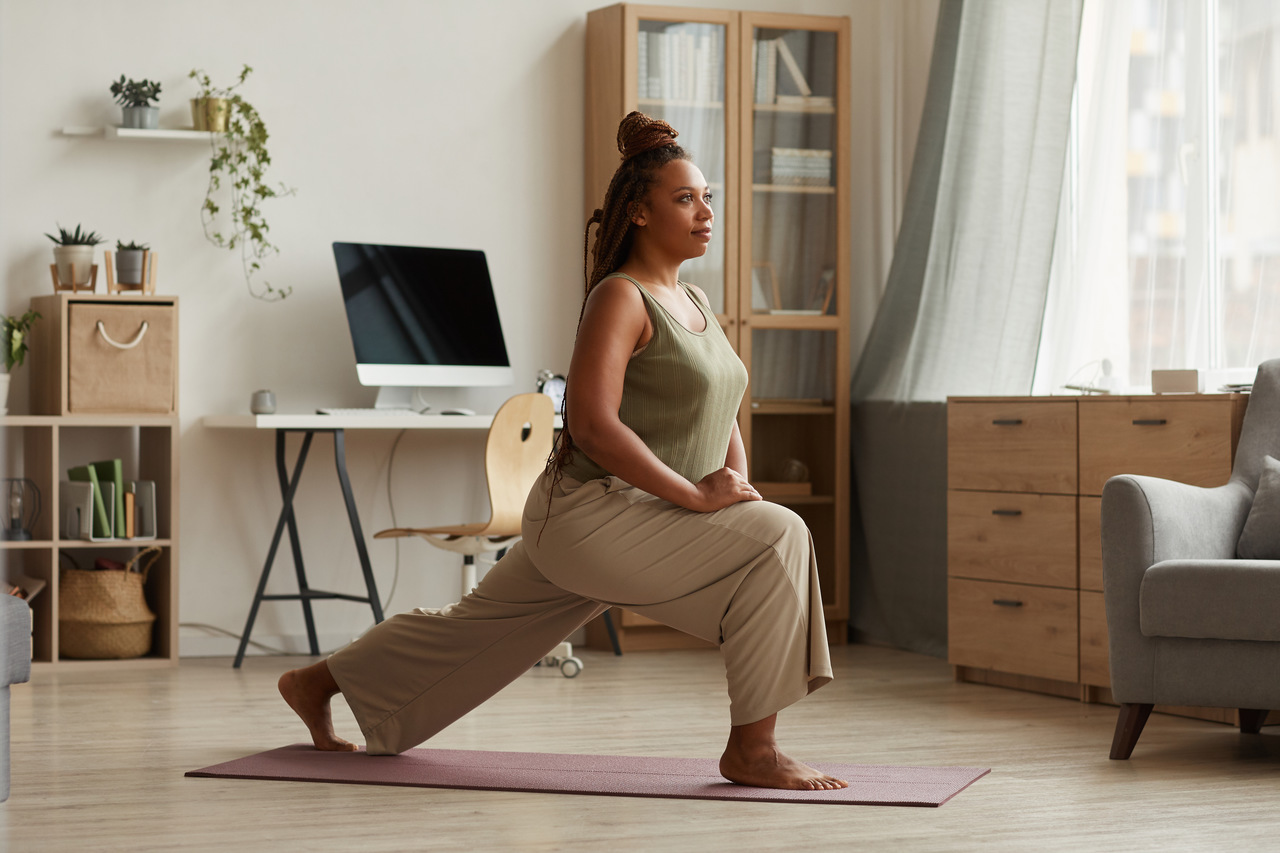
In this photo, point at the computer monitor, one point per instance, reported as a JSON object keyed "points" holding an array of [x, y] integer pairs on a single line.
{"points": [[421, 318]]}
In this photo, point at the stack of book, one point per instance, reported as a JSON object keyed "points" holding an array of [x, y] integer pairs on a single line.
{"points": [[679, 65], [801, 167], [767, 56], [97, 503]]}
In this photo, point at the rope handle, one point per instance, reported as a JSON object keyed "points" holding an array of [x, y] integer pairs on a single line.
{"points": [[153, 551], [133, 343]]}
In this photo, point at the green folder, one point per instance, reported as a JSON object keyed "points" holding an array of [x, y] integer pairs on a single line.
{"points": [[112, 471], [86, 474]]}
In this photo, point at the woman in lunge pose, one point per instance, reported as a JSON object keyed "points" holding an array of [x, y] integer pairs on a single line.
{"points": [[645, 504]]}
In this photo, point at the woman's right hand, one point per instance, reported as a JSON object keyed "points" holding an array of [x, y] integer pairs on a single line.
{"points": [[723, 488]]}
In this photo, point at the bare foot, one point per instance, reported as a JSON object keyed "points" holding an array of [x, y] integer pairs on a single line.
{"points": [[752, 758], [772, 769], [308, 692]]}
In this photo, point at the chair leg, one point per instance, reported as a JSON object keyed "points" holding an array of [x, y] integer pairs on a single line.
{"points": [[1251, 720], [1128, 728], [613, 632]]}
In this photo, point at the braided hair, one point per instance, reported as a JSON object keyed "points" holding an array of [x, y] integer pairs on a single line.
{"points": [[646, 144]]}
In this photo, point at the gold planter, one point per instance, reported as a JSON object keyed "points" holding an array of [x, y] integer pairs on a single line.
{"points": [[210, 114]]}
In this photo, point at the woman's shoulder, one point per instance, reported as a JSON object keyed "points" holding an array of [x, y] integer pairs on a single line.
{"points": [[698, 292]]}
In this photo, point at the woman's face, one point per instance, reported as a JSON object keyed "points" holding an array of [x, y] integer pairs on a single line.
{"points": [[676, 216]]}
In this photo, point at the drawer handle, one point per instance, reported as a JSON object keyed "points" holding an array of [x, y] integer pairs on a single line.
{"points": [[1006, 602], [1006, 512], [137, 339], [1007, 422], [1150, 422]]}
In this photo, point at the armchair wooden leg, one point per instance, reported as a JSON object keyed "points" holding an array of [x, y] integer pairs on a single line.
{"points": [[1128, 728], [1251, 720]]}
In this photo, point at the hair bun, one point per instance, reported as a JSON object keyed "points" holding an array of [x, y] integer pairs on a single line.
{"points": [[639, 133]]}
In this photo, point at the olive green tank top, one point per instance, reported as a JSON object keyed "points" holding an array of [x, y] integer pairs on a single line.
{"points": [[680, 394]]}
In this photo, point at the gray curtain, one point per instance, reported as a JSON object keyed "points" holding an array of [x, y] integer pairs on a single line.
{"points": [[965, 298]]}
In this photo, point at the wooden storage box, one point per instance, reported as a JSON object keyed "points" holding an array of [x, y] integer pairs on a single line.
{"points": [[104, 355]]}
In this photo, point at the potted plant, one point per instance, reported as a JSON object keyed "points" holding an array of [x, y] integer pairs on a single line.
{"points": [[13, 338], [73, 253], [240, 158], [129, 262], [135, 98]]}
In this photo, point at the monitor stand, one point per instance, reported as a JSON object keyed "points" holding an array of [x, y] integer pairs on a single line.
{"points": [[397, 397]]}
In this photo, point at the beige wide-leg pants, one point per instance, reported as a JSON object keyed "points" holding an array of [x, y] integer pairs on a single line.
{"points": [[743, 577]]}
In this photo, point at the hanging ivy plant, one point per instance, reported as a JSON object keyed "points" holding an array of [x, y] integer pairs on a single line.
{"points": [[240, 160]]}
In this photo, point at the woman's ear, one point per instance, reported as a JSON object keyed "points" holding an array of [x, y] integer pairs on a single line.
{"points": [[637, 213]]}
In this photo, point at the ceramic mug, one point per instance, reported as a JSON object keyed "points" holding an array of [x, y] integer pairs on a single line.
{"points": [[262, 403]]}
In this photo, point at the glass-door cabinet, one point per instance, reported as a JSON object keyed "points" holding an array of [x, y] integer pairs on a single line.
{"points": [[761, 103], [679, 65]]}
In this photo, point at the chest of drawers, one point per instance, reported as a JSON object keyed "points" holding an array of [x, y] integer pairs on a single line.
{"points": [[1024, 551]]}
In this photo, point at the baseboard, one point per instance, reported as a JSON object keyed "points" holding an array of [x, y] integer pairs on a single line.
{"points": [[199, 645]]}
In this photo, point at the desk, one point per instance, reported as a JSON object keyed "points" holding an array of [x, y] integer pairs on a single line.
{"points": [[308, 426]]}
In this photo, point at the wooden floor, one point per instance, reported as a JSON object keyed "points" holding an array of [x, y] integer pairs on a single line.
{"points": [[98, 764]]}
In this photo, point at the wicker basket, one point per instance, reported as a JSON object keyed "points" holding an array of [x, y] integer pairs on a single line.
{"points": [[104, 613]]}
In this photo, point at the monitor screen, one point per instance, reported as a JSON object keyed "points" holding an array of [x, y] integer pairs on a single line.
{"points": [[421, 317]]}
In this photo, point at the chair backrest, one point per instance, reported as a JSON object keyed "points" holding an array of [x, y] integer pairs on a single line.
{"points": [[1260, 432], [515, 456]]}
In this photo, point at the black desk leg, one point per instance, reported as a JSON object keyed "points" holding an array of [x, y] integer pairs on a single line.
{"points": [[286, 517], [340, 459], [295, 543]]}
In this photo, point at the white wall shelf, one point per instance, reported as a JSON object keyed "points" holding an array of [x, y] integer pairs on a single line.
{"points": [[167, 134]]}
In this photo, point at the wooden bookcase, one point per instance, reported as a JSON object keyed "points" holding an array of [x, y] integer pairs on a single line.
{"points": [[761, 101], [41, 447]]}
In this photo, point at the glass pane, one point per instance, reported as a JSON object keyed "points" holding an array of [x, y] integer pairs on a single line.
{"points": [[1249, 179], [793, 172], [1164, 156], [681, 80], [792, 366]]}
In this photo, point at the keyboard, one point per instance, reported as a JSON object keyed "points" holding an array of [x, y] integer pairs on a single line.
{"points": [[359, 413]]}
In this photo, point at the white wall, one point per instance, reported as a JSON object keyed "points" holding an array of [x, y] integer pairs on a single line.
{"points": [[410, 121]]}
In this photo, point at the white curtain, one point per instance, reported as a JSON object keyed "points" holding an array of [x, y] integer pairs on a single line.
{"points": [[1168, 253]]}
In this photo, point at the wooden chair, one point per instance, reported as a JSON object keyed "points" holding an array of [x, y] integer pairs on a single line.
{"points": [[515, 456]]}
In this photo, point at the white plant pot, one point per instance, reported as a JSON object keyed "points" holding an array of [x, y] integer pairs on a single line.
{"points": [[79, 258], [140, 118], [4, 393]]}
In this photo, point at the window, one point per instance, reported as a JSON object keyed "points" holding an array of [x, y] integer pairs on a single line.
{"points": [[1168, 249]]}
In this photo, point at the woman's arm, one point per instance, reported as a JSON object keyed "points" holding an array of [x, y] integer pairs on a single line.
{"points": [[736, 458], [614, 324]]}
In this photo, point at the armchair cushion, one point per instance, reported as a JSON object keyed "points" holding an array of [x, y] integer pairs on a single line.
{"points": [[1260, 539], [1212, 599]]}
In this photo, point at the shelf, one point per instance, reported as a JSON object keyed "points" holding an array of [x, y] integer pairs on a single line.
{"points": [[664, 102], [800, 500], [88, 420], [72, 544], [816, 322], [783, 188], [784, 407], [811, 109], [125, 133]]}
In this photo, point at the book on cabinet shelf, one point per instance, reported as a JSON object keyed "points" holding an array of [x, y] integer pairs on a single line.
{"points": [[676, 65]]}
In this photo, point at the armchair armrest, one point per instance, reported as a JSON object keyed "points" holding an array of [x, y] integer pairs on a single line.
{"points": [[1146, 520], [15, 640]]}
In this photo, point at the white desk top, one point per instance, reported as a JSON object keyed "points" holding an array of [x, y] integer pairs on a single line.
{"points": [[309, 421]]}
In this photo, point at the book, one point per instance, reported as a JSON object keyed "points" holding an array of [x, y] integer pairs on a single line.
{"points": [[102, 527], [112, 471], [793, 67], [130, 503]]}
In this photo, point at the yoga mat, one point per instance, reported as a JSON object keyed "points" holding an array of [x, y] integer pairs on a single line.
{"points": [[616, 775]]}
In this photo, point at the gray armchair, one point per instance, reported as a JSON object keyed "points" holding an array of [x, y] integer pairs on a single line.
{"points": [[1189, 622], [15, 667]]}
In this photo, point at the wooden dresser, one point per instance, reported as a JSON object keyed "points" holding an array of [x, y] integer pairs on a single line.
{"points": [[1024, 550]]}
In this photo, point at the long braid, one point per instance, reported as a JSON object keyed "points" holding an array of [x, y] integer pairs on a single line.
{"points": [[646, 145]]}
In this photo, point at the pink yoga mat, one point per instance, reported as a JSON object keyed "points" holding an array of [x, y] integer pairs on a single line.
{"points": [[616, 775]]}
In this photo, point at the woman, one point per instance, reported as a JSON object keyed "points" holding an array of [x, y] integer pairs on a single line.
{"points": [[645, 504]]}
